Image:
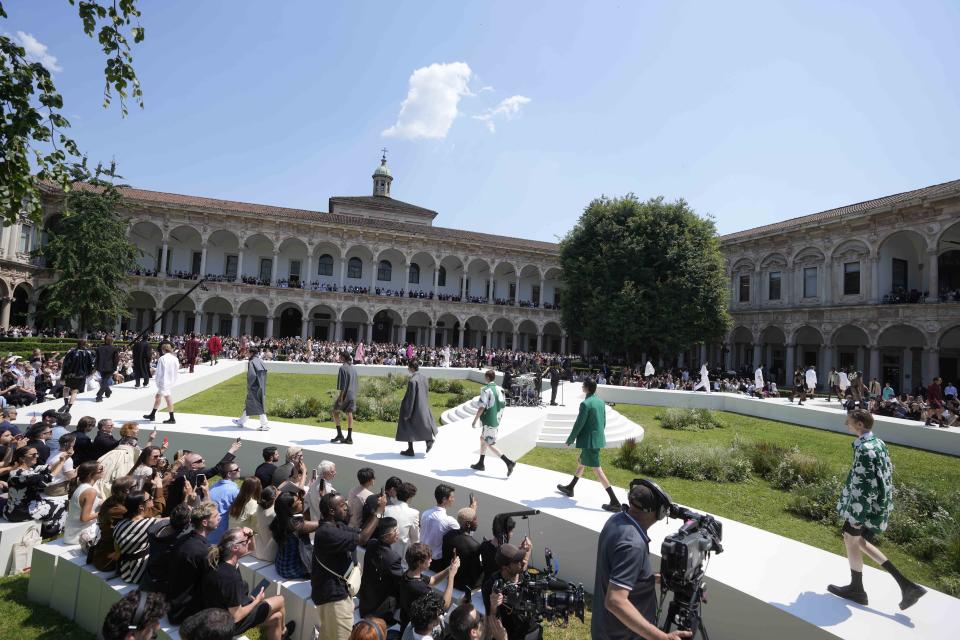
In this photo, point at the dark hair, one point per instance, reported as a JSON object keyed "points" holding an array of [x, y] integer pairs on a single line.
{"points": [[326, 504], [20, 454], [62, 418], [345, 356], [120, 616], [88, 469], [406, 491], [365, 475], [591, 385], [180, 516], [503, 526], [863, 417], [144, 457], [209, 624], [417, 553], [249, 490], [385, 525], [34, 430], [268, 453], [442, 492], [462, 622], [282, 524], [425, 610], [66, 441], [135, 499], [86, 423], [413, 365], [393, 482], [490, 375], [268, 496]]}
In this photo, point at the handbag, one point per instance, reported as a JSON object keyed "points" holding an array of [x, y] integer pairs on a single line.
{"points": [[351, 578]]}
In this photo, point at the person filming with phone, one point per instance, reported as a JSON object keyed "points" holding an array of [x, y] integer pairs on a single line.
{"points": [[224, 588]]}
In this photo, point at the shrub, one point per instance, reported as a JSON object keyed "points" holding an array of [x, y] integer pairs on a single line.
{"points": [[797, 469], [439, 385], [456, 386], [689, 420], [693, 463], [367, 410], [454, 401], [390, 409], [764, 457], [375, 388], [298, 407], [396, 381], [816, 501], [627, 456]]}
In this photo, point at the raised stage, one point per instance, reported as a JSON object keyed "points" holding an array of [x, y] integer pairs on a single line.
{"points": [[762, 585]]}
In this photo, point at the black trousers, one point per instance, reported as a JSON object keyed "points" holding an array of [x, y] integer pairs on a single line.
{"points": [[105, 377], [553, 394]]}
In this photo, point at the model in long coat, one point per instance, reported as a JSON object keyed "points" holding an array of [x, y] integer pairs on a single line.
{"points": [[142, 354], [256, 402], [416, 422]]}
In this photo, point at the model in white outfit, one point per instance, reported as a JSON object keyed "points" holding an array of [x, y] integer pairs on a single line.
{"points": [[704, 379], [811, 378], [758, 378], [168, 368], [648, 370]]}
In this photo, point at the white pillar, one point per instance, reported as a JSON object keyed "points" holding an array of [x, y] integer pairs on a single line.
{"points": [[343, 271], [203, 259], [163, 257], [239, 265], [489, 338], [463, 284], [5, 314], [875, 362], [516, 298], [933, 277], [539, 300], [563, 343], [539, 341], [491, 283], [436, 279], [305, 327], [875, 279], [270, 326], [338, 330], [432, 338], [460, 340], [235, 327], [369, 332], [790, 364], [756, 355], [827, 281], [933, 364], [728, 359], [273, 277]]}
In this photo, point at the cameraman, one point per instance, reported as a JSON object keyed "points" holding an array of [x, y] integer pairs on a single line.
{"points": [[512, 562], [625, 583]]}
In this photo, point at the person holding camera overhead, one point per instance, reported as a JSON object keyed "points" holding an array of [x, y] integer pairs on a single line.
{"points": [[512, 562], [625, 594]]}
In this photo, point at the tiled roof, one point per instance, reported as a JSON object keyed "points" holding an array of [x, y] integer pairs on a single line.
{"points": [[933, 191], [382, 203], [230, 206]]}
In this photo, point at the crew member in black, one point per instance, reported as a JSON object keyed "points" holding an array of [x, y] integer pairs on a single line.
{"points": [[108, 359], [554, 384], [512, 562], [382, 569], [189, 564]]}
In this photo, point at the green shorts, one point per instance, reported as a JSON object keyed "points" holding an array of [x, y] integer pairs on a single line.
{"points": [[590, 457]]}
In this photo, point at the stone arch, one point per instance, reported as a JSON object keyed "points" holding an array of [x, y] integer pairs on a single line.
{"points": [[452, 268], [552, 287], [741, 341], [354, 324], [322, 322], [742, 264], [949, 354], [326, 254], [288, 320], [223, 251], [142, 307], [254, 317], [148, 237], [552, 337], [902, 255], [293, 264], [773, 354], [217, 316], [902, 355], [362, 256], [502, 333], [185, 249], [475, 329], [850, 249], [478, 278], [529, 293], [527, 332], [425, 265], [258, 259], [418, 326], [181, 318], [774, 259], [447, 330]]}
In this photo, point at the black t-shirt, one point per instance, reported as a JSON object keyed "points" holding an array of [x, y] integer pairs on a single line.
{"points": [[410, 590], [470, 574], [224, 588], [265, 473], [381, 577], [488, 558], [334, 545], [516, 626], [188, 564]]}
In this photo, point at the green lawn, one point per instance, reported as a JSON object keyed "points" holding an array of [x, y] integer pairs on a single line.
{"points": [[755, 502], [21, 620], [227, 398]]}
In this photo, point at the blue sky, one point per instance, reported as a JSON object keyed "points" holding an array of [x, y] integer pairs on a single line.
{"points": [[522, 112]]}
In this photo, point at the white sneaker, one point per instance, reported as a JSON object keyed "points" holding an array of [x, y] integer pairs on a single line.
{"points": [[264, 426], [237, 422]]}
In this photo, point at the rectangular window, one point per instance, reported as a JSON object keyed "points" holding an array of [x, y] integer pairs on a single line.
{"points": [[899, 274], [230, 268], [744, 289], [556, 299], [195, 264], [266, 269], [294, 271], [513, 291], [773, 290], [536, 293], [809, 282], [25, 233], [851, 278]]}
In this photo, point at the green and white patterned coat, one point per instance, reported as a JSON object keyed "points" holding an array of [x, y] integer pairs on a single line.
{"points": [[867, 496]]}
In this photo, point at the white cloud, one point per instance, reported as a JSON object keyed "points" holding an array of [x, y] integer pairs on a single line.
{"points": [[432, 101], [508, 109], [37, 51]]}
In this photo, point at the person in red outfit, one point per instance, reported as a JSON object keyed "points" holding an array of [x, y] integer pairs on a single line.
{"points": [[935, 403], [192, 351], [214, 346]]}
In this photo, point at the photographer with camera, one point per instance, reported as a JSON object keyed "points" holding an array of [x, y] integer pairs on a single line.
{"points": [[519, 625], [625, 597]]}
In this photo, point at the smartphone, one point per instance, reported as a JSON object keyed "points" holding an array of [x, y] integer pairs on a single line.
{"points": [[297, 517], [238, 439], [313, 475], [166, 442], [323, 486], [201, 478], [261, 586]]}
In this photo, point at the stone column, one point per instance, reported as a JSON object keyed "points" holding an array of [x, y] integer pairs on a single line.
{"points": [[875, 363], [463, 285], [373, 277], [932, 362], [539, 300], [516, 298], [198, 317], [163, 257], [790, 363], [273, 271], [203, 259], [235, 327], [875, 280], [933, 277], [432, 337], [489, 338], [403, 334], [5, 313], [369, 332], [516, 340], [492, 290], [460, 340], [827, 282], [343, 272], [826, 363], [728, 356], [539, 341], [269, 326], [755, 288], [861, 358], [906, 372], [239, 265], [304, 327], [756, 355], [563, 343], [436, 279], [338, 330], [154, 325]]}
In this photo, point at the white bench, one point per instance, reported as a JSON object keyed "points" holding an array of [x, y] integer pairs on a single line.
{"points": [[43, 564], [10, 534]]}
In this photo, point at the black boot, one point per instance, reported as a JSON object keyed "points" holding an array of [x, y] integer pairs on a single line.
{"points": [[510, 464], [910, 591], [853, 591], [151, 416], [614, 505], [349, 438], [429, 445], [409, 451], [339, 437], [479, 466], [170, 420], [567, 489]]}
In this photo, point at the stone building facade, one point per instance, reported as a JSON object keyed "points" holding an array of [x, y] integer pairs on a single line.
{"points": [[874, 285], [282, 272]]}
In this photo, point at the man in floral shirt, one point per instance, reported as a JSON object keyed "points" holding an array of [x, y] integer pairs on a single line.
{"points": [[865, 505]]}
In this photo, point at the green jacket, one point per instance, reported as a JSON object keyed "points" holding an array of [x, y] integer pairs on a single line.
{"points": [[588, 429]]}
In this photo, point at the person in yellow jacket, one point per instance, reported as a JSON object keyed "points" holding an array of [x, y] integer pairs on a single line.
{"points": [[588, 433]]}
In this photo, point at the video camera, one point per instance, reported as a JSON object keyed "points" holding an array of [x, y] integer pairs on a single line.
{"points": [[684, 554], [539, 595]]}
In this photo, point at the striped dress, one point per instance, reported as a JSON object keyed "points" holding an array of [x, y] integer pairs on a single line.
{"points": [[133, 543]]}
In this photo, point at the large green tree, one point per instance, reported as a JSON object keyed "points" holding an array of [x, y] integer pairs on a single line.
{"points": [[90, 256], [33, 144], [643, 277]]}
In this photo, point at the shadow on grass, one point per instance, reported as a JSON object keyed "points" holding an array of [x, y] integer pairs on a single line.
{"points": [[20, 618]]}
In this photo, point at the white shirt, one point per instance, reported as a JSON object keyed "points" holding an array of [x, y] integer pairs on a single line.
{"points": [[408, 526], [758, 377], [704, 374], [168, 367], [811, 378], [844, 381], [314, 495], [648, 369], [433, 525]]}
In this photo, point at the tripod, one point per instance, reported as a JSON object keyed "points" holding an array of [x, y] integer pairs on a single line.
{"points": [[684, 610]]}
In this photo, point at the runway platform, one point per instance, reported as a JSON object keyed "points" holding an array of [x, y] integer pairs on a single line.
{"points": [[762, 585]]}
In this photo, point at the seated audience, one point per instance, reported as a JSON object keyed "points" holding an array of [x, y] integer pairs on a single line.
{"points": [[379, 587], [265, 547], [131, 535], [243, 511], [27, 499], [189, 563], [291, 534], [121, 622], [84, 505], [209, 624], [104, 554]]}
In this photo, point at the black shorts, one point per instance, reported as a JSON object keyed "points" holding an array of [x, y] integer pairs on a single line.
{"points": [[255, 618], [347, 406], [75, 383], [858, 531]]}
